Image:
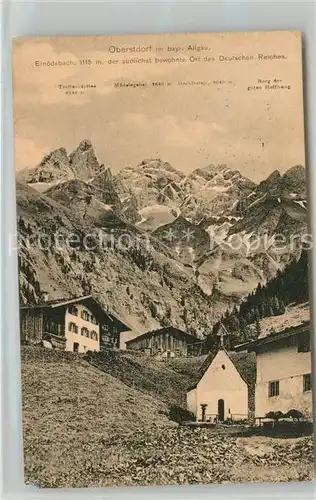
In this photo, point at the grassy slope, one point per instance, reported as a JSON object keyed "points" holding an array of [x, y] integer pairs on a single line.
{"points": [[70, 409], [187, 366], [165, 380]]}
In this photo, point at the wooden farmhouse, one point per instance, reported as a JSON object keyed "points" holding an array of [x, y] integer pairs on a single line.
{"points": [[284, 374], [78, 324], [225, 388], [166, 342]]}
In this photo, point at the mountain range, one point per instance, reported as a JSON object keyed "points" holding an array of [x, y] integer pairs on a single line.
{"points": [[176, 249]]}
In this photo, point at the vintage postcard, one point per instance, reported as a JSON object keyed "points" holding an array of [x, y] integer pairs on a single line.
{"points": [[163, 243]]}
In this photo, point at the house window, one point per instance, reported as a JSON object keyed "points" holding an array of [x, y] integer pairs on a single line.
{"points": [[85, 331], [274, 388], [72, 327], [85, 315], [73, 310], [307, 382], [93, 319], [292, 341], [303, 342], [94, 335]]}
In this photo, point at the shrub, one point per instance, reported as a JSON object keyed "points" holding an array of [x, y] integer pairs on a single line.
{"points": [[179, 415], [294, 414]]}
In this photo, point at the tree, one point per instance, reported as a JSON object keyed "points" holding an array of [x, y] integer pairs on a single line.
{"points": [[258, 328], [275, 305], [281, 307]]}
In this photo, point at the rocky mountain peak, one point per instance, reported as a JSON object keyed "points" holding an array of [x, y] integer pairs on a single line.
{"points": [[85, 144], [148, 161], [84, 162], [221, 175], [160, 165], [294, 180], [58, 155], [210, 171], [104, 177], [291, 184], [54, 166], [271, 183], [105, 184], [275, 175]]}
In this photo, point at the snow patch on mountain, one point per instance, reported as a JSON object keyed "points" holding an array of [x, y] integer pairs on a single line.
{"points": [[301, 203]]}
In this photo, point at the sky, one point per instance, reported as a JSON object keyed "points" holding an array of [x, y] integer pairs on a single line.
{"points": [[254, 131]]}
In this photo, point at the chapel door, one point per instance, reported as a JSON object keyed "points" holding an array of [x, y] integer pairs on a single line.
{"points": [[221, 410]]}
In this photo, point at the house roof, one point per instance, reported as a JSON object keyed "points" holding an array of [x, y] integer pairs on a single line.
{"points": [[89, 300], [151, 333], [273, 338], [244, 362], [57, 302]]}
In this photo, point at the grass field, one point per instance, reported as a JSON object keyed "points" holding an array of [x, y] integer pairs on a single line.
{"points": [[85, 427]]}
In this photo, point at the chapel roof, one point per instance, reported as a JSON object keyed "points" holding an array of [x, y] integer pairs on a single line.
{"points": [[244, 362]]}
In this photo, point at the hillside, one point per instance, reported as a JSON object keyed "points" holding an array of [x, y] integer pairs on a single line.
{"points": [[281, 302], [160, 379], [66, 254], [294, 315], [71, 408]]}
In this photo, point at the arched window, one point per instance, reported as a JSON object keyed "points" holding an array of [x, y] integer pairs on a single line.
{"points": [[85, 331], [73, 310], [94, 335], [85, 315], [72, 327], [93, 319]]}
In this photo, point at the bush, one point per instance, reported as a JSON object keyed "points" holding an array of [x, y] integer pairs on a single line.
{"points": [[275, 415], [179, 415], [294, 414]]}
